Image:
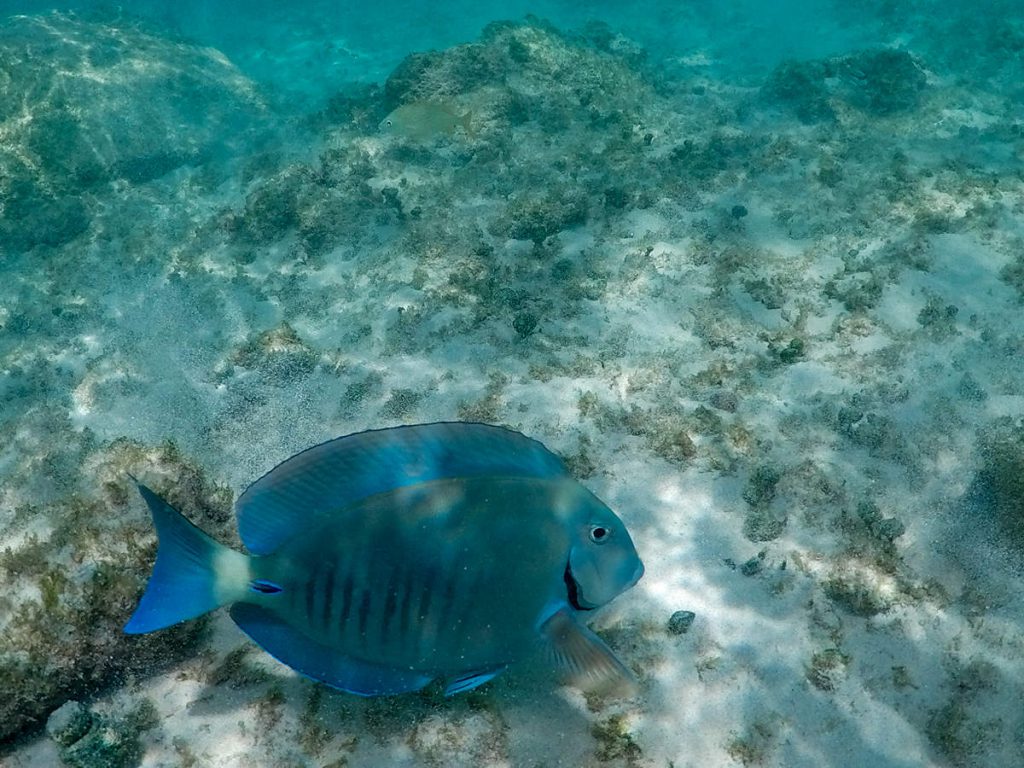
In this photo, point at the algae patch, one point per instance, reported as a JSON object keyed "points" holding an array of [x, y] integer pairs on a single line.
{"points": [[63, 639], [998, 486]]}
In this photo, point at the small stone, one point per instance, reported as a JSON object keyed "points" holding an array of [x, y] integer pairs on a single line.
{"points": [[827, 669], [68, 723], [680, 621], [739, 211], [106, 745], [754, 565], [792, 352], [675, 445], [760, 487]]}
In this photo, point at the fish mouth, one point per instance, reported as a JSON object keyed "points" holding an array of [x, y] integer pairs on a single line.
{"points": [[573, 590]]}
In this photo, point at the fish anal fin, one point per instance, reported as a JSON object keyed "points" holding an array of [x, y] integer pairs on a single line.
{"points": [[319, 662], [582, 658]]}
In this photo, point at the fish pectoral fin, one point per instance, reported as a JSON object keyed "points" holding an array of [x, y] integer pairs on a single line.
{"points": [[290, 646], [471, 680], [582, 658]]}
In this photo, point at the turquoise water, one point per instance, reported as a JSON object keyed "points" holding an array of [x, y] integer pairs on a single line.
{"points": [[754, 271]]}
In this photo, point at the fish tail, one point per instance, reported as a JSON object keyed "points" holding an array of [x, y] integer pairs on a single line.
{"points": [[193, 573], [467, 125]]}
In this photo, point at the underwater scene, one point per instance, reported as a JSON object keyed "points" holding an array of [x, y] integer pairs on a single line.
{"points": [[512, 384]]}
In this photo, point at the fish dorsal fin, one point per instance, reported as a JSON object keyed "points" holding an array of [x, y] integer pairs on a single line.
{"points": [[582, 658], [310, 486]]}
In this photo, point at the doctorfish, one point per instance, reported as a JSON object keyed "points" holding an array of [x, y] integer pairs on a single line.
{"points": [[384, 560]]}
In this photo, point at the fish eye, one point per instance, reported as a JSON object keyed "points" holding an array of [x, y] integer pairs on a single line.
{"points": [[599, 534], [387, 123]]}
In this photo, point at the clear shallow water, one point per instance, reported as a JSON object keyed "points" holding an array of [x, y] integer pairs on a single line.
{"points": [[756, 275]]}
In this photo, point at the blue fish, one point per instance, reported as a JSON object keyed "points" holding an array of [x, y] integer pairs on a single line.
{"points": [[384, 560]]}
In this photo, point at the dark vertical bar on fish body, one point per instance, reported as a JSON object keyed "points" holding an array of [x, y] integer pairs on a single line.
{"points": [[311, 593], [328, 587], [390, 604], [364, 614], [426, 593], [463, 624], [451, 590], [346, 602], [403, 620], [423, 613]]}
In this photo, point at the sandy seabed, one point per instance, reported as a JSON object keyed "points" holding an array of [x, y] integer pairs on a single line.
{"points": [[775, 322]]}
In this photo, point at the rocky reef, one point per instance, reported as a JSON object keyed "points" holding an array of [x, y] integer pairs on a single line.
{"points": [[86, 105]]}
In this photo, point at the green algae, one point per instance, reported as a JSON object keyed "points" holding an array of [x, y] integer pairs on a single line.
{"points": [[487, 407], [237, 670], [269, 709], [90, 740], [998, 486], [538, 218], [938, 318], [827, 669], [85, 115], [754, 746], [313, 731], [64, 638], [800, 87], [955, 729], [615, 742], [764, 521], [883, 82], [279, 356], [1013, 273], [856, 595], [400, 404], [869, 535]]}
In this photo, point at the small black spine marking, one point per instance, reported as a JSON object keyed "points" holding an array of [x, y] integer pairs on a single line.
{"points": [[328, 593], [264, 587]]}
